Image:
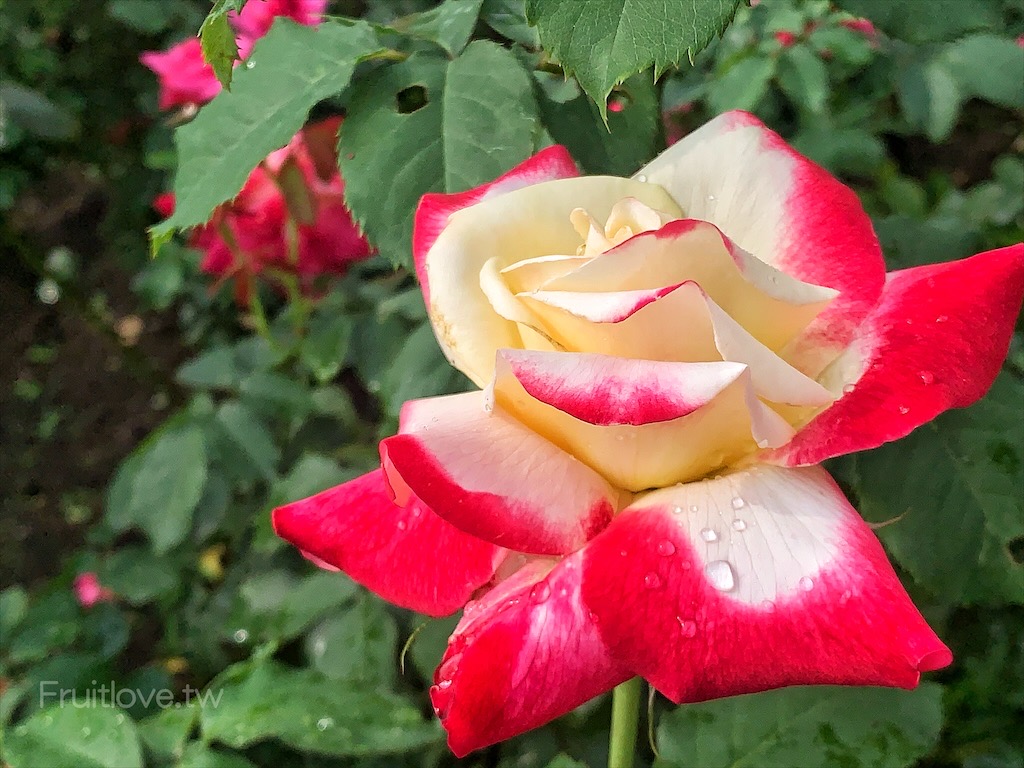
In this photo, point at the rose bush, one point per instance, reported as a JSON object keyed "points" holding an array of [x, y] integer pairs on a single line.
{"points": [[662, 363]]}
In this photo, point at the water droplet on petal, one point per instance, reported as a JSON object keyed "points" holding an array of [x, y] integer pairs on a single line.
{"points": [[694, 508], [250, 64], [941, 318], [641, 178], [721, 575], [687, 627], [324, 723], [402, 525], [677, 510], [444, 685], [767, 605], [904, 410], [541, 591], [848, 388], [806, 583], [652, 580], [927, 377], [739, 525], [845, 597], [709, 534], [623, 553], [711, 198], [666, 548], [738, 503]]}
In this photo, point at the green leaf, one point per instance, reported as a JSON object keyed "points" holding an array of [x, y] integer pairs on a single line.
{"points": [[308, 712], [960, 490], [417, 127], [603, 42], [989, 67], [818, 726], [930, 98], [276, 395], [215, 368], [310, 475], [803, 77], [166, 732], [925, 22], [250, 436], [133, 574], [217, 41], [630, 138], [419, 370], [743, 85], [35, 113], [357, 647], [508, 18], [83, 737], [326, 344], [13, 606], [277, 606], [159, 486], [449, 25], [290, 70], [199, 755]]}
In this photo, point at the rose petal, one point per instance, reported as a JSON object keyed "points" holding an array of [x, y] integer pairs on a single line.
{"points": [[772, 306], [494, 478], [677, 323], [525, 654], [788, 212], [936, 341], [522, 224], [755, 580], [409, 556], [640, 423], [432, 214]]}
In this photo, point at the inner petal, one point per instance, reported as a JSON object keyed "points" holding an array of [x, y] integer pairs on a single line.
{"points": [[627, 218]]}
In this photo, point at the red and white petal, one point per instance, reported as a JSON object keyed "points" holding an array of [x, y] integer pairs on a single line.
{"points": [[787, 211], [409, 556], [494, 478], [524, 654], [770, 304], [676, 323], [532, 274], [755, 580], [639, 423], [936, 341], [511, 227], [432, 214]]}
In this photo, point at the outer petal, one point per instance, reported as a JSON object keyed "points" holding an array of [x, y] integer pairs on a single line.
{"points": [[503, 229], [640, 423], [756, 580], [491, 476], [787, 211], [770, 304], [549, 164], [409, 556], [935, 341], [525, 654]]}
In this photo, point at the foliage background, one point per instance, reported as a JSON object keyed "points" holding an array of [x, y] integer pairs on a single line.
{"points": [[147, 430]]}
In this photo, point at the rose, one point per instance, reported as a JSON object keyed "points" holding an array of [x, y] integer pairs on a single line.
{"points": [[297, 189], [186, 80], [89, 591], [663, 359]]}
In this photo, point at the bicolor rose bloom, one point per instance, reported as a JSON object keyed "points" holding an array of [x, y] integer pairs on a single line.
{"points": [[297, 186], [663, 361], [186, 80]]}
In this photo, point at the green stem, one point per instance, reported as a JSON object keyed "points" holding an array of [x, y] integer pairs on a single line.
{"points": [[625, 723]]}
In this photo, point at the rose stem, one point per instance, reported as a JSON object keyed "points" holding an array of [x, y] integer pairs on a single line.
{"points": [[625, 722]]}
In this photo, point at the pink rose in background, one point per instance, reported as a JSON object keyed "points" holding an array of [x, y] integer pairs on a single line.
{"points": [[185, 77], [299, 183], [785, 38], [258, 16], [863, 26], [89, 591]]}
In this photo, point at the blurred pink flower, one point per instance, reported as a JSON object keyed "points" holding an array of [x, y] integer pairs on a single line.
{"points": [[297, 186], [787, 39], [863, 26], [89, 591], [185, 78]]}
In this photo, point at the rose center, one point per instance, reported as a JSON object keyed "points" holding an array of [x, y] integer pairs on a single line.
{"points": [[627, 218]]}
